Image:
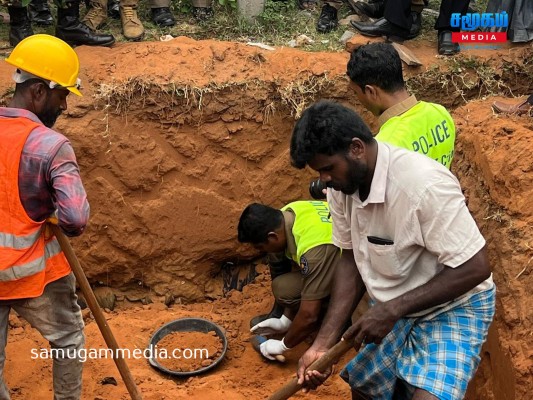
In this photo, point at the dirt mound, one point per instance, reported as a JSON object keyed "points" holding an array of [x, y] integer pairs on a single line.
{"points": [[494, 165], [174, 139]]}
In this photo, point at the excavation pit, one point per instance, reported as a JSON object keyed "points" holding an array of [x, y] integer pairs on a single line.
{"points": [[174, 139]]}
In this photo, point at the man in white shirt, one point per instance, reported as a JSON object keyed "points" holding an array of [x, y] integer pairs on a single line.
{"points": [[408, 240]]}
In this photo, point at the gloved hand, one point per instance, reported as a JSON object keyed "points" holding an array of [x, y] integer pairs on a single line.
{"points": [[273, 347], [272, 326]]}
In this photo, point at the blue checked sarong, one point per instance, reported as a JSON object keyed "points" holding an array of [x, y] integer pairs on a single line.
{"points": [[438, 352]]}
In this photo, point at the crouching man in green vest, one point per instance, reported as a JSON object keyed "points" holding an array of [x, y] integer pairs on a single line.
{"points": [[302, 232]]}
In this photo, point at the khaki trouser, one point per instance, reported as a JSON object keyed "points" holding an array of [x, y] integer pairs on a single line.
{"points": [[57, 316], [287, 290]]}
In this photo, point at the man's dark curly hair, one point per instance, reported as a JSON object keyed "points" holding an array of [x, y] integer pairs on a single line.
{"points": [[326, 128], [376, 64], [256, 221]]}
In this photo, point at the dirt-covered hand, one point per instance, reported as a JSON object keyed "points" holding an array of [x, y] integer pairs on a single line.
{"points": [[272, 326], [372, 327], [311, 379]]}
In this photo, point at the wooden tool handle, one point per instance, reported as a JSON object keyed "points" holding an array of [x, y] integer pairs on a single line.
{"points": [[280, 357], [97, 312], [320, 365]]}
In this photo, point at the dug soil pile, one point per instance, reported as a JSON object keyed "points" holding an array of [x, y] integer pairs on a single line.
{"points": [[174, 139], [184, 344]]}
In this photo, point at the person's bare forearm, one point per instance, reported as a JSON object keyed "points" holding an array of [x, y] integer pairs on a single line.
{"points": [[448, 285], [305, 322], [347, 291]]}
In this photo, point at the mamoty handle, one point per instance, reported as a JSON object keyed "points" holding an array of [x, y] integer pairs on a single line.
{"points": [[280, 357], [97, 313], [320, 365]]}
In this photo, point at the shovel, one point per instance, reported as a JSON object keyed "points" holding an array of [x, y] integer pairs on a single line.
{"points": [[97, 313], [320, 365], [256, 344]]}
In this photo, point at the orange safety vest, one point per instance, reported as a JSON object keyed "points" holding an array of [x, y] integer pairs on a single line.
{"points": [[28, 261]]}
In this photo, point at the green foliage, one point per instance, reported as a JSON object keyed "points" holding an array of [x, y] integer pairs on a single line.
{"points": [[231, 3], [278, 13]]}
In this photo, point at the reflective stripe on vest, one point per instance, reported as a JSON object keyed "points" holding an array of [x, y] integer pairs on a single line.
{"points": [[18, 242], [51, 249]]}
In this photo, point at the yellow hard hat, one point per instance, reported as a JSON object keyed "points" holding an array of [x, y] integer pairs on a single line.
{"points": [[49, 58]]}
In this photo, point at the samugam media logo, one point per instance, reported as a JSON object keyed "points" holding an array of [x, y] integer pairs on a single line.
{"points": [[468, 23]]}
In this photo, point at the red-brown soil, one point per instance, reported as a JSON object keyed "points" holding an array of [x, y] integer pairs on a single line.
{"points": [[188, 351], [174, 139]]}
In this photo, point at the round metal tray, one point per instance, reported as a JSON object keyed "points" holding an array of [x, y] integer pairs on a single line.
{"points": [[188, 325]]}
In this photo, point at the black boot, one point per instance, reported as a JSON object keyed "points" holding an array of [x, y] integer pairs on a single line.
{"points": [[19, 25], [327, 21], [113, 9], [372, 10], [416, 24], [40, 13], [163, 16], [74, 32]]}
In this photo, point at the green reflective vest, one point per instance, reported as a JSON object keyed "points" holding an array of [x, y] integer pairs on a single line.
{"points": [[426, 128], [312, 226]]}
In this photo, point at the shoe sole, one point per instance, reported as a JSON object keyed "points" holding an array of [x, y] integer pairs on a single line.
{"points": [[392, 38], [106, 44], [165, 25], [328, 29], [449, 52], [325, 30], [134, 39], [45, 24]]}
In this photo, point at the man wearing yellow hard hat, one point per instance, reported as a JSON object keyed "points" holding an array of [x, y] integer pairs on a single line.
{"points": [[69, 27], [40, 181]]}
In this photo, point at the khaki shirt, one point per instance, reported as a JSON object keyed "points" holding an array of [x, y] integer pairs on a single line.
{"points": [[397, 109], [321, 261], [418, 206]]}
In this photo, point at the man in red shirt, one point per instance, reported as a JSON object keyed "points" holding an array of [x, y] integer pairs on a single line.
{"points": [[40, 178]]}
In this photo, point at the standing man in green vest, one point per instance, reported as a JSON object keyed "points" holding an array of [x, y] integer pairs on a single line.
{"points": [[302, 230], [375, 71]]}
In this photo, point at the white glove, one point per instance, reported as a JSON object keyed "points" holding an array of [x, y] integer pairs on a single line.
{"points": [[272, 348], [272, 326]]}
